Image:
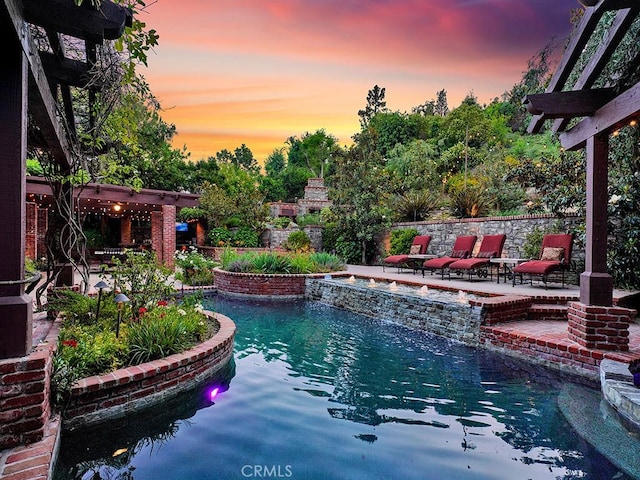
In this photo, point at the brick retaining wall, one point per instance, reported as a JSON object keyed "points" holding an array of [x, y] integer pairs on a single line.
{"points": [[25, 393], [261, 285], [99, 398]]}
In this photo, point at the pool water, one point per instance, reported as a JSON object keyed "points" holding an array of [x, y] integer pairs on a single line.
{"points": [[319, 393]]}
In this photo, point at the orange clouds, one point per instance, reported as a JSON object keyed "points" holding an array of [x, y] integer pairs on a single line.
{"points": [[262, 71]]}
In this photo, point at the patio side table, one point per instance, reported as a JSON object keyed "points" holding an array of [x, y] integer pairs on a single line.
{"points": [[416, 261], [505, 266]]}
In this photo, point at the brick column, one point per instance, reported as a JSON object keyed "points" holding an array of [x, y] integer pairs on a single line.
{"points": [[163, 234], [599, 327], [168, 234], [43, 225], [200, 234], [125, 230], [31, 238]]}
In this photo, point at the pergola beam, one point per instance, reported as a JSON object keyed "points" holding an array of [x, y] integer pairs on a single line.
{"points": [[613, 115], [598, 61], [576, 45], [580, 103]]}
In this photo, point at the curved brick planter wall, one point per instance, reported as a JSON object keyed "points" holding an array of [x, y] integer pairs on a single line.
{"points": [[100, 398], [261, 285]]}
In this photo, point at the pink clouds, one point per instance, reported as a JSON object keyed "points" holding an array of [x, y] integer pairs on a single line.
{"points": [[294, 63]]}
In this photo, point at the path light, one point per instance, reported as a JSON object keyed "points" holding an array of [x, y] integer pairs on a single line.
{"points": [[120, 299], [101, 285]]}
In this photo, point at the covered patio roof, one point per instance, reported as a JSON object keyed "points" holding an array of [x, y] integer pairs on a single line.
{"points": [[113, 200]]}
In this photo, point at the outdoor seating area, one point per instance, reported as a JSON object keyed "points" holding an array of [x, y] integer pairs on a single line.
{"points": [[468, 262]]}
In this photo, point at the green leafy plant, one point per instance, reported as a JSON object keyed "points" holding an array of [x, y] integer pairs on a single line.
{"points": [[246, 237], [470, 202], [298, 242], [191, 213], [309, 219], [270, 262], [325, 262], [219, 236], [281, 222], [162, 331], [302, 264]]}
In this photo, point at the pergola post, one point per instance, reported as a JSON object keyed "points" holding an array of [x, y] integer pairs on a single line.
{"points": [[596, 285], [15, 305]]}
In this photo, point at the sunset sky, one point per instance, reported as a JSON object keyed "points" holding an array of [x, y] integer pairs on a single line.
{"points": [[256, 72]]}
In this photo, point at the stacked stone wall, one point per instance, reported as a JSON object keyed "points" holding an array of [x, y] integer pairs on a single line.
{"points": [[516, 228], [456, 320]]}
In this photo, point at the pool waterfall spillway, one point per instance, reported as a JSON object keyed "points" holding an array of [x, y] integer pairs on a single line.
{"points": [[453, 314]]}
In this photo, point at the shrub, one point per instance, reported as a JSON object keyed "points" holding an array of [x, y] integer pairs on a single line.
{"points": [[219, 237], [349, 249], [326, 262], [163, 331], [270, 262], [309, 219], [274, 263], [228, 256], [470, 202], [401, 240], [246, 237], [298, 242], [196, 269], [302, 264], [281, 222]]}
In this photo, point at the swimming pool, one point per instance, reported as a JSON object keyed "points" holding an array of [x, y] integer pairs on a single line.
{"points": [[320, 393]]}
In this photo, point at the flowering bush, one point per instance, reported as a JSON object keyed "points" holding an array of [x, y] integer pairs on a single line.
{"points": [[195, 268]]}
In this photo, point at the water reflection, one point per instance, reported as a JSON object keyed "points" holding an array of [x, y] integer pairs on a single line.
{"points": [[335, 395]]}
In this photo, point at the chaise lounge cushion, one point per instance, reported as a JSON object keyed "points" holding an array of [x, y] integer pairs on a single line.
{"points": [[461, 249], [419, 241], [491, 246]]}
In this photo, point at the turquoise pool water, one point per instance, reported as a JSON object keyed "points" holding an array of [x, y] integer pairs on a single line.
{"points": [[319, 393]]}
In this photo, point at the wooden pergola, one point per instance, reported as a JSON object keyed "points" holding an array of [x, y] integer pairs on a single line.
{"points": [[599, 111], [31, 82]]}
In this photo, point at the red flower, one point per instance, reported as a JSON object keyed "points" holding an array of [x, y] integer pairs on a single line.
{"points": [[142, 311], [162, 303], [162, 315], [70, 343]]}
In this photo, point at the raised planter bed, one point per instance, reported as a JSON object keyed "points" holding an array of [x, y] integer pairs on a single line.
{"points": [[103, 397], [261, 284]]}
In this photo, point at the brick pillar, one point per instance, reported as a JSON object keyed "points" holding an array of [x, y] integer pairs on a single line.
{"points": [[31, 238], [43, 224], [163, 234], [200, 234], [599, 327], [168, 234], [156, 234], [125, 230]]}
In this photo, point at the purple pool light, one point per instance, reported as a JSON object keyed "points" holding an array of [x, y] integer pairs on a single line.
{"points": [[213, 393]]}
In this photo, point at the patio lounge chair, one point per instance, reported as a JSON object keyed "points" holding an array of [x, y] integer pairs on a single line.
{"points": [[462, 248], [555, 255], [490, 247], [419, 246]]}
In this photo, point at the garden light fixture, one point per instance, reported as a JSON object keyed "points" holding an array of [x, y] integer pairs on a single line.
{"points": [[101, 285], [120, 299]]}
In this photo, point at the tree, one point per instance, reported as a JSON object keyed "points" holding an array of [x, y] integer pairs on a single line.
{"points": [[441, 107], [358, 190], [375, 104], [312, 151], [243, 158], [275, 162]]}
